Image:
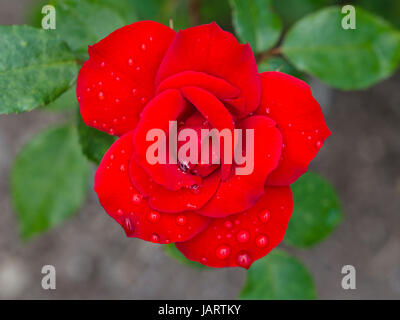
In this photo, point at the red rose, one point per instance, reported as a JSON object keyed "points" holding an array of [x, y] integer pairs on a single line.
{"points": [[144, 75]]}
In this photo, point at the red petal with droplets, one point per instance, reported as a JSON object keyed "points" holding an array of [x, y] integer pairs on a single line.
{"points": [[165, 107], [239, 240], [124, 203], [118, 80], [240, 192], [209, 49], [289, 102], [166, 200], [219, 117]]}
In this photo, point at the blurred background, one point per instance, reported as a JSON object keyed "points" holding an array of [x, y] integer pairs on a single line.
{"points": [[94, 259]]}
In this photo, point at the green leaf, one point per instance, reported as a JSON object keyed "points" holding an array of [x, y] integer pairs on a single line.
{"points": [[346, 59], [292, 10], [94, 142], [280, 64], [278, 276], [49, 180], [173, 252], [35, 68], [84, 22], [255, 23], [388, 9], [218, 11], [316, 211], [66, 101]]}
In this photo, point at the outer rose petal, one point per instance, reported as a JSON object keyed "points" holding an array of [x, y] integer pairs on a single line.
{"points": [[241, 239], [240, 192], [209, 49], [127, 206], [289, 102], [165, 107], [117, 81]]}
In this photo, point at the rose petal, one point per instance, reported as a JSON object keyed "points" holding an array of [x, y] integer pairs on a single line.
{"points": [[124, 203], [166, 200], [240, 192], [118, 80], [165, 107], [239, 240], [289, 102], [217, 86], [209, 49], [214, 111]]}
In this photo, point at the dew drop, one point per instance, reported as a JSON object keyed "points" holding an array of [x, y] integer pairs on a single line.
{"points": [[143, 100], [242, 236], [237, 222], [228, 224], [101, 95], [137, 198], [319, 144], [181, 220], [116, 100], [143, 46], [100, 83], [265, 216], [268, 110], [261, 241], [203, 260], [102, 64], [122, 167], [130, 62], [128, 225], [111, 131], [223, 251], [134, 91], [155, 238], [119, 212], [153, 216], [243, 259]]}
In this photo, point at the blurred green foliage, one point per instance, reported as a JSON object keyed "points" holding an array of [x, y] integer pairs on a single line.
{"points": [[316, 211], [278, 276], [49, 180]]}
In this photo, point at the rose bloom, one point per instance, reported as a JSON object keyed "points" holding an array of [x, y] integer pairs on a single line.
{"points": [[143, 76]]}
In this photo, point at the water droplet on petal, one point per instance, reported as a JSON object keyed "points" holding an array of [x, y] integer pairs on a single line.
{"points": [[153, 216], [265, 216], [130, 62], [223, 251], [243, 259], [128, 225], [203, 260], [122, 167], [137, 198], [228, 224], [101, 95], [143, 46], [155, 238], [242, 236], [181, 220], [102, 64], [319, 144], [119, 212], [261, 241]]}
